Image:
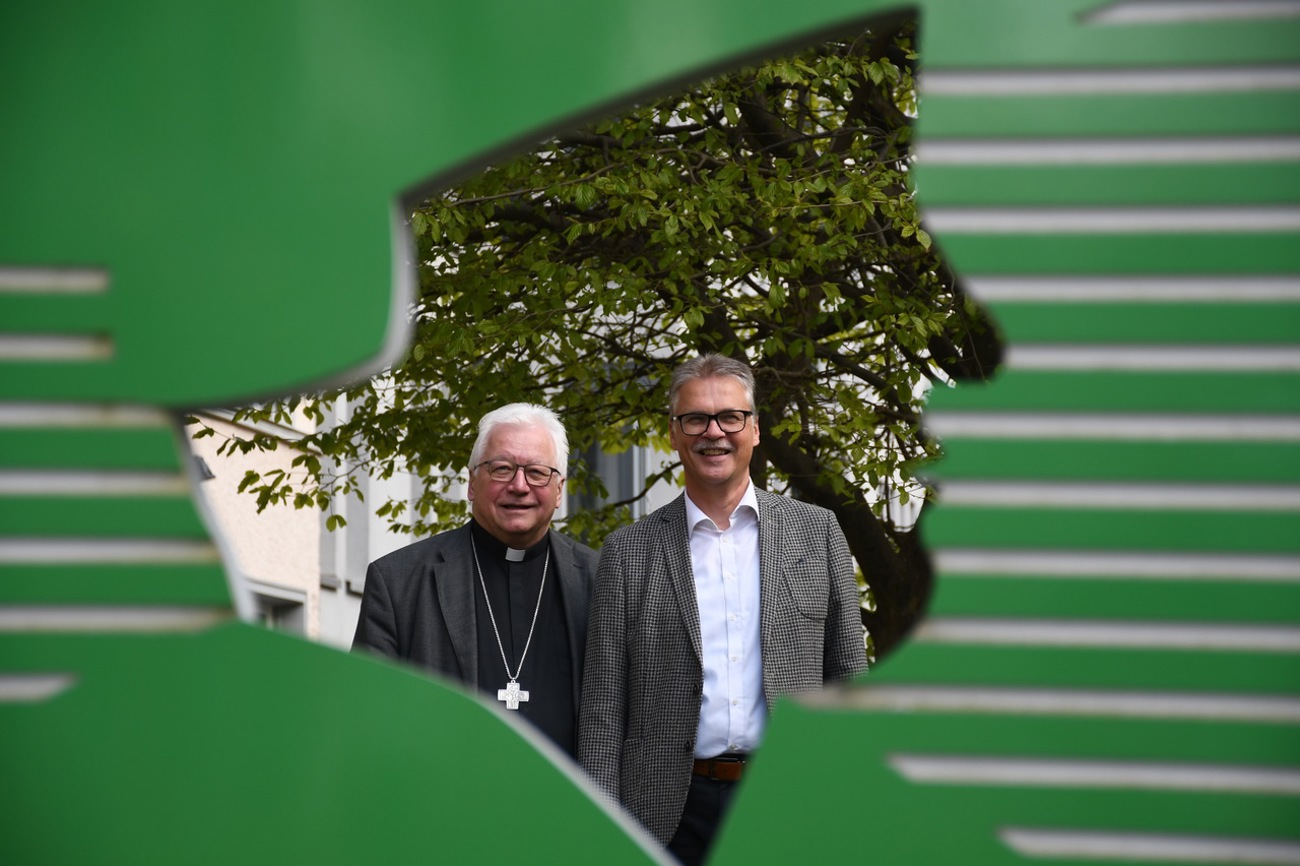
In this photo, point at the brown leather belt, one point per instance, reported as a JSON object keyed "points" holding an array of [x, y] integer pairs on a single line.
{"points": [[723, 769]]}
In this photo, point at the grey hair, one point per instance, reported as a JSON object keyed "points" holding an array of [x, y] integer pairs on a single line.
{"points": [[523, 415], [707, 367]]}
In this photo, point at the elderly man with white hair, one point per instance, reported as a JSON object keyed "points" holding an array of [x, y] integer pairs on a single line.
{"points": [[500, 603]]}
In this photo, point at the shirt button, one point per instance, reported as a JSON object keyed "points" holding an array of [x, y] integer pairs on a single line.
{"points": [[735, 658], [735, 702], [732, 617]]}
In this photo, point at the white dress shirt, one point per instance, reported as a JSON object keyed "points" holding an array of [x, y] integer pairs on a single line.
{"points": [[725, 564]]}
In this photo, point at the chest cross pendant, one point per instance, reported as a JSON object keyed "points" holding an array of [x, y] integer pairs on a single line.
{"points": [[511, 695]]}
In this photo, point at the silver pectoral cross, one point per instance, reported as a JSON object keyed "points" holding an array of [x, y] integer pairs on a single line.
{"points": [[512, 695]]}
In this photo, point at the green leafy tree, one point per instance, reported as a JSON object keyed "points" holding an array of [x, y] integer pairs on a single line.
{"points": [[763, 214]]}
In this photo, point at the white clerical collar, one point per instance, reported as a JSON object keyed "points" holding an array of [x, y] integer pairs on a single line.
{"points": [[695, 515], [494, 546]]}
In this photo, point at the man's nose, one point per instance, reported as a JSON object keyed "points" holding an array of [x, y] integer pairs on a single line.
{"points": [[518, 482]]}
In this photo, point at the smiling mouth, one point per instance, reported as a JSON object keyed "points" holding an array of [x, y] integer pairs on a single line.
{"points": [[713, 452]]}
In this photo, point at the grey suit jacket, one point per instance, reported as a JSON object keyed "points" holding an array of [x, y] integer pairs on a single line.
{"points": [[418, 604], [644, 677]]}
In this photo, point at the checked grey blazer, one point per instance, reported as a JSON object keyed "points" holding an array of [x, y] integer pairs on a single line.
{"points": [[643, 680]]}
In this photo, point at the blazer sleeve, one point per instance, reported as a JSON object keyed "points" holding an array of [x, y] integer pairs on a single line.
{"points": [[602, 718], [377, 624], [845, 653]]}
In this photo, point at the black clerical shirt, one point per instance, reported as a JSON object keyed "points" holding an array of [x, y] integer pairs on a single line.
{"points": [[547, 673]]}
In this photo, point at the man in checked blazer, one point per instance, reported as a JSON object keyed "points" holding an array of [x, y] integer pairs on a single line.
{"points": [[500, 603], [702, 614]]}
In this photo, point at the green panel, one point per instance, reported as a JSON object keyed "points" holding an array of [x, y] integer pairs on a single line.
{"points": [[1090, 254], [1157, 740], [54, 516], [972, 815], [1191, 184], [225, 199], [1132, 600], [1088, 529], [981, 811], [1114, 115], [1071, 459], [197, 584], [222, 196], [150, 449], [239, 746], [1070, 391], [1110, 668], [59, 314], [1017, 33], [1151, 323]]}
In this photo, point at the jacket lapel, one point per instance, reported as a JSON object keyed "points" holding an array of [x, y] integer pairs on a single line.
{"points": [[456, 583], [574, 601], [772, 608], [676, 546]]}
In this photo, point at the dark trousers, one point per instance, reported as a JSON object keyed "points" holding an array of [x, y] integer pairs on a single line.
{"points": [[707, 802]]}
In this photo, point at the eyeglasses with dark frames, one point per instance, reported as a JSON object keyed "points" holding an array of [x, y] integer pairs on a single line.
{"points": [[729, 421], [536, 474]]}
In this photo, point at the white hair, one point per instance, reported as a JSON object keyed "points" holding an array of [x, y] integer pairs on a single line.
{"points": [[523, 415]]}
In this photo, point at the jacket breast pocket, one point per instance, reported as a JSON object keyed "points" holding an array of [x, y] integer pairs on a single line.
{"points": [[806, 581]]}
